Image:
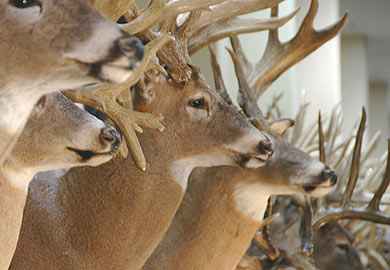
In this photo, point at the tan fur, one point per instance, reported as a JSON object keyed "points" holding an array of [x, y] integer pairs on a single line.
{"points": [[53, 45], [209, 230], [56, 123], [113, 216]]}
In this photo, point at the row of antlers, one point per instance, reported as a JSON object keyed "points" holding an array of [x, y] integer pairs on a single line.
{"points": [[172, 31], [180, 36]]}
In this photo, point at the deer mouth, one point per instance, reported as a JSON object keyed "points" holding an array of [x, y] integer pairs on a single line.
{"points": [[319, 189], [86, 155], [250, 161], [115, 72]]}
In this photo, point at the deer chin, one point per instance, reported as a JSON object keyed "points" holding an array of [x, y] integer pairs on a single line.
{"points": [[250, 161], [113, 72], [318, 190]]}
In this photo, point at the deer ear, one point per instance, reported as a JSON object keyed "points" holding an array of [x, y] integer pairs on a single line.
{"points": [[142, 96], [280, 126]]}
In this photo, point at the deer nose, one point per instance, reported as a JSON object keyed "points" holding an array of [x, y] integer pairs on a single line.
{"points": [[131, 47], [111, 137], [266, 147], [331, 175]]}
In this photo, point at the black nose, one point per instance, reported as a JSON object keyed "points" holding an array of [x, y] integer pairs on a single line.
{"points": [[111, 137], [132, 47], [331, 175], [266, 147]]}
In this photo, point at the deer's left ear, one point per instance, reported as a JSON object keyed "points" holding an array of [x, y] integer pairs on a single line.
{"points": [[280, 126]]}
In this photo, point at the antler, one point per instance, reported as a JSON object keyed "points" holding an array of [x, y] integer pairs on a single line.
{"points": [[233, 26], [345, 210], [278, 57], [105, 98], [112, 9], [261, 238]]}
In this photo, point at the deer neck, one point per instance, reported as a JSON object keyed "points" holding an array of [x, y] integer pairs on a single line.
{"points": [[120, 212], [17, 109], [13, 194], [210, 230]]}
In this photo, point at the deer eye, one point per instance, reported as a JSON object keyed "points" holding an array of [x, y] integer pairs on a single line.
{"points": [[24, 3], [42, 102], [198, 103], [343, 247]]}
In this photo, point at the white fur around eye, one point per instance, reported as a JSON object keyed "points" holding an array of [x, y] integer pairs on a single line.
{"points": [[197, 114], [24, 16]]}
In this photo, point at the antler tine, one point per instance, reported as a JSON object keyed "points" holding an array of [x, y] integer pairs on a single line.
{"points": [[112, 9], [237, 49], [306, 229], [345, 211], [355, 166], [278, 57], [218, 80], [230, 9], [321, 140], [246, 100], [161, 10], [374, 204], [262, 239], [234, 26]]}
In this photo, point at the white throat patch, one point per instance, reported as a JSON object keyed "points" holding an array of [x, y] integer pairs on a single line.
{"points": [[251, 200]]}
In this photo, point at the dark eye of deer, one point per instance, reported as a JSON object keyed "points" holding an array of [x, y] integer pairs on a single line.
{"points": [[42, 102], [343, 247], [23, 3], [198, 103]]}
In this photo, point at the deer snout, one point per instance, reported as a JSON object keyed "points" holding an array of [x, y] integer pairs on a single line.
{"points": [[131, 47], [110, 136], [329, 174]]}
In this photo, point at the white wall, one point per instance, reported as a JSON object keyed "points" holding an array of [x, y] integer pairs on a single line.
{"points": [[319, 73], [355, 79]]}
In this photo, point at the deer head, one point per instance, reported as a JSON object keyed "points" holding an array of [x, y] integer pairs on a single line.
{"points": [[42, 40], [223, 135], [58, 135], [339, 242], [49, 45]]}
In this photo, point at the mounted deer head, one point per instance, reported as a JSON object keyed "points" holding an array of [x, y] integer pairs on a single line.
{"points": [[334, 247], [223, 206], [48, 45], [58, 135]]}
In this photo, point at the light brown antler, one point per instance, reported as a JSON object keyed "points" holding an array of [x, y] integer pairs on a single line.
{"points": [[159, 11], [345, 210], [112, 9], [278, 57], [105, 98], [306, 229], [262, 239], [233, 26]]}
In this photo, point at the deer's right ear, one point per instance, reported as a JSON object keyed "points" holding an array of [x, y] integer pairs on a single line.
{"points": [[280, 126], [141, 97]]}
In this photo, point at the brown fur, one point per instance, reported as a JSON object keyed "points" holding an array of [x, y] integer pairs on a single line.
{"points": [[113, 217]]}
